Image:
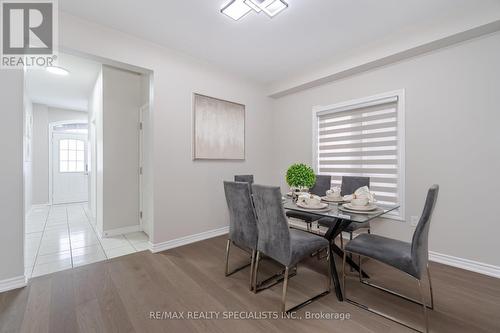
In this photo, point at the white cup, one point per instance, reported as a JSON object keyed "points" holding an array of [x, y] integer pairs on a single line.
{"points": [[333, 194]]}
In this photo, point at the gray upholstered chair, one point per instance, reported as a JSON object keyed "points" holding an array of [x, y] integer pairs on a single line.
{"points": [[410, 258], [277, 241], [244, 179], [349, 186], [323, 184], [242, 223]]}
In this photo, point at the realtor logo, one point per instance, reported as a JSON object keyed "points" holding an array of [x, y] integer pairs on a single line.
{"points": [[28, 33]]}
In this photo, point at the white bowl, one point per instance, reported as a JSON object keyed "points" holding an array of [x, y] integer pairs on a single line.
{"points": [[360, 202], [313, 201]]}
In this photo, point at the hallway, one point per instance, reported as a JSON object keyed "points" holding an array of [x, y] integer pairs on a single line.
{"points": [[62, 236]]}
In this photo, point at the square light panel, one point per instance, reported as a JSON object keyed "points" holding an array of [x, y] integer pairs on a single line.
{"points": [[275, 8], [236, 9]]}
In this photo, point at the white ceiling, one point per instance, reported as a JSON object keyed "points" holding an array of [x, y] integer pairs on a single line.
{"points": [[68, 92], [309, 32]]}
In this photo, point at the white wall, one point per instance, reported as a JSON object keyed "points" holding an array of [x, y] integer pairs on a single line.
{"points": [[452, 99], [452, 138], [28, 152], [58, 114], [40, 146], [11, 175], [177, 178], [43, 115], [114, 119], [121, 102]]}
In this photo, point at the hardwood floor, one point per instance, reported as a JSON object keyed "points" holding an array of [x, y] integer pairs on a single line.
{"points": [[118, 296]]}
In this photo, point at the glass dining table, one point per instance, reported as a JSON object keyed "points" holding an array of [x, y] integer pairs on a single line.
{"points": [[337, 219]]}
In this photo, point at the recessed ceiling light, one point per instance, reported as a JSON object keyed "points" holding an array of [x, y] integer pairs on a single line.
{"points": [[57, 70], [236, 9]]}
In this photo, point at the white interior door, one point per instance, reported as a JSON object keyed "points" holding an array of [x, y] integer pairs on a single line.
{"points": [[69, 168]]}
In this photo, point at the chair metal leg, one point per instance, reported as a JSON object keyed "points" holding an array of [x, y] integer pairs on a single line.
{"points": [[287, 275], [256, 272], [369, 231], [252, 264], [386, 316], [430, 287], [285, 286], [259, 286], [426, 318], [341, 241], [319, 254], [228, 249], [409, 299]]}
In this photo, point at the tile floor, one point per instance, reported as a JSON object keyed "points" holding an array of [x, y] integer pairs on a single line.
{"points": [[63, 236]]}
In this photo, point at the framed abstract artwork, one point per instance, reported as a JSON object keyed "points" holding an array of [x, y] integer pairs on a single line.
{"points": [[219, 129]]}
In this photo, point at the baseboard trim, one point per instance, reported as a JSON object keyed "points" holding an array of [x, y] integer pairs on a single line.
{"points": [[470, 265], [159, 247], [35, 206], [13, 283], [38, 205], [119, 231]]}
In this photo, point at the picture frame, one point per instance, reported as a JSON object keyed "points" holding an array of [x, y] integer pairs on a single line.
{"points": [[218, 129]]}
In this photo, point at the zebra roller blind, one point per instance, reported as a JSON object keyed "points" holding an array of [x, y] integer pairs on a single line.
{"points": [[362, 140]]}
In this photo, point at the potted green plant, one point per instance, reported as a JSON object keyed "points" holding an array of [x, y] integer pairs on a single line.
{"points": [[300, 178]]}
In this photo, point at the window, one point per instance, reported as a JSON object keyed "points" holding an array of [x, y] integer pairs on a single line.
{"points": [[364, 138], [71, 155]]}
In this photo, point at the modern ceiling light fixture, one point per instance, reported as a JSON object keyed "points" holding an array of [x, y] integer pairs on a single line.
{"points": [[57, 70], [237, 9]]}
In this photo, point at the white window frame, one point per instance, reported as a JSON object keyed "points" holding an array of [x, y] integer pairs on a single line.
{"points": [[365, 102], [76, 160]]}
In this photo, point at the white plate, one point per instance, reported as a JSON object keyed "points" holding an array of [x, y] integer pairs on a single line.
{"points": [[321, 206], [342, 208], [327, 199], [360, 208]]}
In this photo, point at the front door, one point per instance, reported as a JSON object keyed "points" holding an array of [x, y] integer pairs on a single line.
{"points": [[69, 168]]}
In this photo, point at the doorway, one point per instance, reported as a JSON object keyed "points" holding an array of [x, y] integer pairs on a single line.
{"points": [[88, 163], [68, 162]]}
